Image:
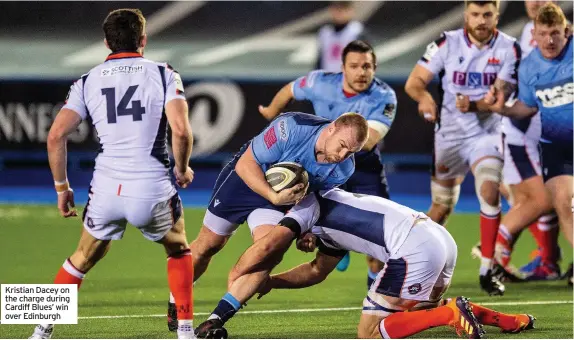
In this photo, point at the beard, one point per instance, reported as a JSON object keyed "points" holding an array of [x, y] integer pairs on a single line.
{"points": [[480, 33]]}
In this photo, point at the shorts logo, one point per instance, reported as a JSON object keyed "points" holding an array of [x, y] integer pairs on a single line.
{"points": [[415, 288], [90, 223], [270, 138], [283, 132], [216, 203]]}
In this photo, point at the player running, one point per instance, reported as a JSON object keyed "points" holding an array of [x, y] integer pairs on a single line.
{"points": [[419, 256], [354, 89], [241, 193], [467, 134], [546, 85], [130, 101]]}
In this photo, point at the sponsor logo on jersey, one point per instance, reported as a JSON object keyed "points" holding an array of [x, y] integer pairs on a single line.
{"points": [[389, 111], [431, 50], [121, 69], [556, 94], [283, 132], [473, 79], [270, 138], [178, 83], [303, 82]]}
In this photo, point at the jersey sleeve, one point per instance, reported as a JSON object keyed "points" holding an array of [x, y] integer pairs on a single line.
{"points": [[75, 99], [383, 115], [510, 66], [269, 145], [305, 87], [174, 85], [526, 92], [435, 55], [305, 214]]}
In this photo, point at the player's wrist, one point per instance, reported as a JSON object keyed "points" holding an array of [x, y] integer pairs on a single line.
{"points": [[62, 186]]}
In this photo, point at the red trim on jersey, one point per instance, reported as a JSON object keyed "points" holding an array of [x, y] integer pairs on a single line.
{"points": [[119, 189], [349, 94], [121, 55]]}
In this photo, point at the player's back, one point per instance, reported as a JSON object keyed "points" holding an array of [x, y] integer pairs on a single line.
{"points": [[125, 99], [364, 223]]}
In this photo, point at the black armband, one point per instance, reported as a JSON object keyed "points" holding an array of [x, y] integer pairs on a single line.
{"points": [[330, 251], [292, 224]]}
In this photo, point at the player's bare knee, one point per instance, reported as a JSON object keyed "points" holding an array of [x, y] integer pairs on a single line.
{"points": [[489, 192], [207, 243], [370, 331]]}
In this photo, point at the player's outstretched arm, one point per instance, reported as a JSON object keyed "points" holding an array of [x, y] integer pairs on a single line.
{"points": [[281, 99], [304, 275], [496, 100], [416, 88]]}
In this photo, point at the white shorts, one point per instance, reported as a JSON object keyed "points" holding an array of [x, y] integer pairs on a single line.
{"points": [[454, 158], [521, 154], [106, 215], [426, 260]]}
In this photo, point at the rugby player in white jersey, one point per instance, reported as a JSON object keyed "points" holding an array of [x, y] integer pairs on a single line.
{"points": [[130, 101], [419, 256], [467, 135]]}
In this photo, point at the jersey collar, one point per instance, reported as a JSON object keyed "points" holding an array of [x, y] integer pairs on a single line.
{"points": [[123, 55], [490, 42]]}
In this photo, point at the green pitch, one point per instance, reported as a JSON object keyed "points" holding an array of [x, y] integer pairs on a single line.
{"points": [[125, 296]]}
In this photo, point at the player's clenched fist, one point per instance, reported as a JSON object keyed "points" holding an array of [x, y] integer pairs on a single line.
{"points": [[183, 179], [462, 103], [427, 109], [66, 203]]}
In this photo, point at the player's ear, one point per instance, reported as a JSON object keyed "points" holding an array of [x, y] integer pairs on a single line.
{"points": [[143, 41]]}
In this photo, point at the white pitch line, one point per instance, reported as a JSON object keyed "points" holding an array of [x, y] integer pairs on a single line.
{"points": [[312, 310]]}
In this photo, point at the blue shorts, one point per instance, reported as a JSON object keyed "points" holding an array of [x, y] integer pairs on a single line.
{"points": [[368, 183], [232, 202], [556, 160]]}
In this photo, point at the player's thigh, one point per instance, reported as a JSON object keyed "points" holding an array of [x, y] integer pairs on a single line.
{"points": [[480, 147], [262, 220], [449, 160], [89, 251], [104, 217], [521, 162], [560, 188]]}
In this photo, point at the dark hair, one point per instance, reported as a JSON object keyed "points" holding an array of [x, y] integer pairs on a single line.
{"points": [[341, 4], [123, 29], [361, 47], [482, 3]]}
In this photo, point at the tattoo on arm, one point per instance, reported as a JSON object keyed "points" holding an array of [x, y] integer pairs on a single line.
{"points": [[506, 87]]}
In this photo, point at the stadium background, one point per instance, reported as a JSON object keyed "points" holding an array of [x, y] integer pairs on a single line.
{"points": [[232, 56]]}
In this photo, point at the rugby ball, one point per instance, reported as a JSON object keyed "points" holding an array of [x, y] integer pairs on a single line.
{"points": [[285, 175]]}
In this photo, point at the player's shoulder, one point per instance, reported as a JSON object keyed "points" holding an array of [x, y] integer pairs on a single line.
{"points": [[530, 65], [325, 76], [301, 120], [381, 89], [504, 40]]}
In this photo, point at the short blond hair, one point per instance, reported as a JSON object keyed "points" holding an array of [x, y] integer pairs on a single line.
{"points": [[356, 121], [550, 15]]}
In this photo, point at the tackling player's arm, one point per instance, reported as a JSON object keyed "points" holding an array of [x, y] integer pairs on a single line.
{"points": [[306, 274], [281, 99]]}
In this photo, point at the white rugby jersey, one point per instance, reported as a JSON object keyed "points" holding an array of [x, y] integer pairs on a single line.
{"points": [[332, 43], [517, 129], [464, 68], [125, 97], [362, 223]]}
